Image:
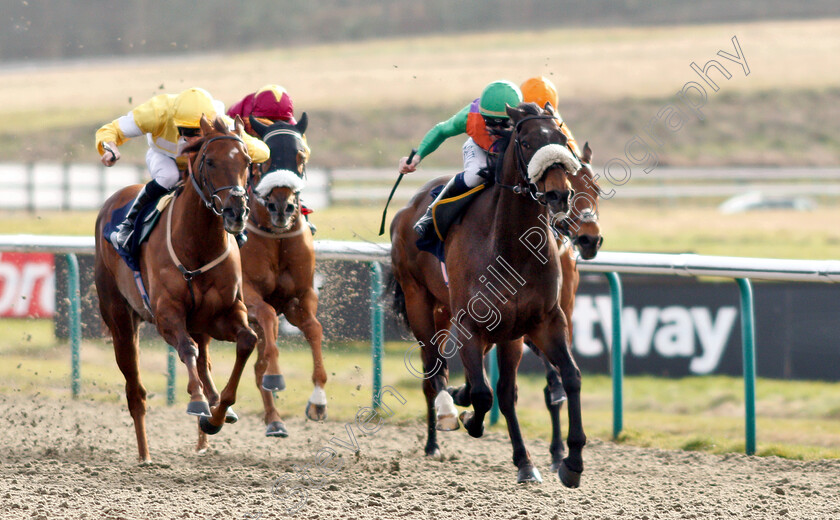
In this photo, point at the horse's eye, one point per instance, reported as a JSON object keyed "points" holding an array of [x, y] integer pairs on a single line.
{"points": [[209, 162], [526, 145]]}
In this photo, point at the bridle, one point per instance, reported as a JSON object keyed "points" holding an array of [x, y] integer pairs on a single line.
{"points": [[525, 187], [211, 200]]}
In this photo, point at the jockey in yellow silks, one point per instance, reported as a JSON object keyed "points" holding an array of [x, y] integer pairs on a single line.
{"points": [[477, 120], [541, 90], [169, 122]]}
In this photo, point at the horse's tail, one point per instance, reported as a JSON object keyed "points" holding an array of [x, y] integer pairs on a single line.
{"points": [[393, 288]]}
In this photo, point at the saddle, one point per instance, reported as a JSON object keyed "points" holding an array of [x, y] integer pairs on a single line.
{"points": [[445, 213], [147, 219]]}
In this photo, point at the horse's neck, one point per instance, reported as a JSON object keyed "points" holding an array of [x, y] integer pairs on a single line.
{"points": [[197, 232]]}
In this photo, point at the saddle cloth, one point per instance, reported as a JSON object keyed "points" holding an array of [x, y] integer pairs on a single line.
{"points": [[147, 219], [445, 213]]}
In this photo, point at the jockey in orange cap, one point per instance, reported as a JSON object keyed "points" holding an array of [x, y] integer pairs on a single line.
{"points": [[169, 122], [541, 90]]}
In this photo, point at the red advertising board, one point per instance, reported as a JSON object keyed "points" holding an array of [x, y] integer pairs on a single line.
{"points": [[27, 285]]}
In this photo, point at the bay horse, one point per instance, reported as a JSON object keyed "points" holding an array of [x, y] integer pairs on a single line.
{"points": [[501, 244], [191, 269], [583, 232], [278, 266]]}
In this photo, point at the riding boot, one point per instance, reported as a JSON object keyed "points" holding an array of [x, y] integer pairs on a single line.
{"points": [[456, 186], [151, 192]]}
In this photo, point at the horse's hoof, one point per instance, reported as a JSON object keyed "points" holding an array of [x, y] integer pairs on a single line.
{"points": [[467, 418], [557, 395], [447, 423], [206, 427], [276, 429], [273, 383], [199, 408], [316, 412], [433, 452], [230, 416], [569, 477], [528, 474]]}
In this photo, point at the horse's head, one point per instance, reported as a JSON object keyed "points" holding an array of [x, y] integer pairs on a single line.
{"points": [[542, 159], [581, 225], [219, 171], [277, 186]]}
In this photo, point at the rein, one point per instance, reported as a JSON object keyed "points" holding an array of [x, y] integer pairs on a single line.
{"points": [[529, 187]]}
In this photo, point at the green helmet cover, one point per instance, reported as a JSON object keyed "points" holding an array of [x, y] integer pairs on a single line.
{"points": [[496, 95]]}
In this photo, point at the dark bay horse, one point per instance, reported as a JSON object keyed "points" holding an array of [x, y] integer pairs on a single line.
{"points": [[278, 266], [504, 283], [191, 270], [583, 232]]}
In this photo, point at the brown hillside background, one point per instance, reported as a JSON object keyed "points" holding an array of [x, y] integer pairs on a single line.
{"points": [[370, 101]]}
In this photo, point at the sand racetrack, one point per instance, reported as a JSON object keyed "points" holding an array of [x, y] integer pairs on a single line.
{"points": [[76, 459]]}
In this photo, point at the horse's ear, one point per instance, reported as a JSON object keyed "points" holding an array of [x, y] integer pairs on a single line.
{"points": [[302, 124], [514, 113], [548, 108], [238, 125], [205, 125], [220, 126], [258, 125], [587, 153]]}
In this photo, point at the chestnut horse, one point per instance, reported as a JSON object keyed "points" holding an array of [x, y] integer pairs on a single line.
{"points": [[190, 266], [501, 244], [278, 266]]}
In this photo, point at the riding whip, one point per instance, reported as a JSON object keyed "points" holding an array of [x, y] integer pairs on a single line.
{"points": [[385, 211]]}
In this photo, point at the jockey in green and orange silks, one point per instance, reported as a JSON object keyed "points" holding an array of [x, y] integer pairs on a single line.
{"points": [[475, 120]]}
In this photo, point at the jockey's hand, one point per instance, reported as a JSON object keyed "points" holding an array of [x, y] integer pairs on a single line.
{"points": [[111, 155], [408, 167]]}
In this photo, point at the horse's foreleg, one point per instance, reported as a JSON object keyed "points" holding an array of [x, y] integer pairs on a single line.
{"points": [[301, 313], [234, 329], [552, 339], [509, 355], [171, 326], [554, 396], [266, 327]]}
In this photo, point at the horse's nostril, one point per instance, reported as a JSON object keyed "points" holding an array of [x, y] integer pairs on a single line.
{"points": [[584, 240], [290, 208]]}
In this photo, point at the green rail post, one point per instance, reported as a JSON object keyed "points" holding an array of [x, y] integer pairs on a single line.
{"points": [[171, 363], [494, 380], [748, 348], [73, 294], [376, 329], [617, 354]]}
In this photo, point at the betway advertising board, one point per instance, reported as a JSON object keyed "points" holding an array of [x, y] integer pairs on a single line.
{"points": [[671, 326]]}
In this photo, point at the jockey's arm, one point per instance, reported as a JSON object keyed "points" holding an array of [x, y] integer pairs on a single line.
{"points": [[439, 133], [114, 134]]}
